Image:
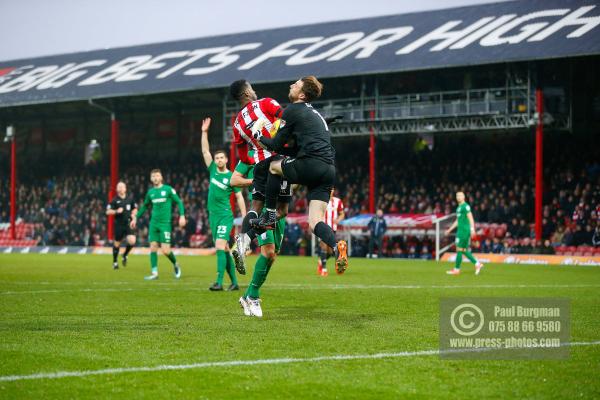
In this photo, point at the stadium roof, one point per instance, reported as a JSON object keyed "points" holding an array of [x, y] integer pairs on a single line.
{"points": [[483, 34]]}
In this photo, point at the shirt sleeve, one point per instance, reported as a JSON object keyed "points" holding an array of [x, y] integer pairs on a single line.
{"points": [[145, 205], [178, 201], [286, 129], [212, 168], [111, 205], [272, 107], [243, 168]]}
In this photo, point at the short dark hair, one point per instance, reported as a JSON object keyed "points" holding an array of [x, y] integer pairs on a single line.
{"points": [[221, 151], [155, 170], [236, 89], [311, 87]]}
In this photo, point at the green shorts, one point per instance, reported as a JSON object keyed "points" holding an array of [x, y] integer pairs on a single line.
{"points": [[220, 226], [160, 233], [463, 240], [273, 236]]}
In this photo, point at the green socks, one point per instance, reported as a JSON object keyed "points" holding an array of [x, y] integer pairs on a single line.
{"points": [[458, 259], [470, 257], [261, 270], [154, 262], [172, 258], [231, 269], [459, 256], [221, 265]]}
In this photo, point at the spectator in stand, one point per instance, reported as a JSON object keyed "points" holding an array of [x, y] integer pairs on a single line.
{"points": [[548, 249], [377, 227], [486, 246], [292, 239], [497, 247], [425, 253], [596, 237]]}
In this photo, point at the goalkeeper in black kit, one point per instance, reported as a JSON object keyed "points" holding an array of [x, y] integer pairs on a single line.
{"points": [[313, 165]]}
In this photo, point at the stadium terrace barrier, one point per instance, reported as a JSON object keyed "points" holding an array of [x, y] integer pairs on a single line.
{"points": [[98, 250], [529, 259]]}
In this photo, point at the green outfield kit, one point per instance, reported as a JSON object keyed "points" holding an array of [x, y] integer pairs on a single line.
{"points": [[271, 236], [161, 198], [463, 231], [220, 214]]}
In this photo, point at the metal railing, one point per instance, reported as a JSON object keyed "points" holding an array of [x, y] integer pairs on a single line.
{"points": [[509, 107]]}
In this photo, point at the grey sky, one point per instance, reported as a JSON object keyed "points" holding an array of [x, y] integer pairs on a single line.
{"points": [[32, 28]]}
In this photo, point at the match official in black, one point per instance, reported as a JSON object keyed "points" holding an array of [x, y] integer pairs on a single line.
{"points": [[122, 207]]}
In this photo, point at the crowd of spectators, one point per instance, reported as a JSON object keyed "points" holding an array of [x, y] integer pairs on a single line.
{"points": [[68, 205]]}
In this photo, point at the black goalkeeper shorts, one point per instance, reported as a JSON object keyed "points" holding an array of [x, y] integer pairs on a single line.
{"points": [[259, 182], [318, 176]]}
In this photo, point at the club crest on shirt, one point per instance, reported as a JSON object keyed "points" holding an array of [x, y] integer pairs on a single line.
{"points": [[225, 180], [163, 193]]}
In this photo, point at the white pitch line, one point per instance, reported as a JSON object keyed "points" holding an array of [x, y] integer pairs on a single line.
{"points": [[197, 287], [235, 363]]}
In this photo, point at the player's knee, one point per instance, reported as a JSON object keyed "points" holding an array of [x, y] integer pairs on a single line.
{"points": [[271, 255], [166, 250], [221, 244]]}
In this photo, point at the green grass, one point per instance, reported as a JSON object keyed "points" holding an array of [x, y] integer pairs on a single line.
{"points": [[74, 313]]}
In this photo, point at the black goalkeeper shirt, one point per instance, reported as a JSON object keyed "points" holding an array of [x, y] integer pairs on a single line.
{"points": [[300, 121]]}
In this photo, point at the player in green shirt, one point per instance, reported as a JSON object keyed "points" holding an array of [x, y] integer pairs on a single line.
{"points": [[269, 242], [220, 215], [161, 197], [466, 229]]}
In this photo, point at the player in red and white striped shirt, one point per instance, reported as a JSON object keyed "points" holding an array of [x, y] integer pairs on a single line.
{"points": [[266, 112], [333, 216]]}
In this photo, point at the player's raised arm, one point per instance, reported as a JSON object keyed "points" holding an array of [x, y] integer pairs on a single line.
{"points": [[204, 142]]}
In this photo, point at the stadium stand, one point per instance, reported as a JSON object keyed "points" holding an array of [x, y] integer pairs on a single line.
{"points": [[67, 208]]}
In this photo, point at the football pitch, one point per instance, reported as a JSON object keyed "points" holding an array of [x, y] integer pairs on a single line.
{"points": [[72, 327]]}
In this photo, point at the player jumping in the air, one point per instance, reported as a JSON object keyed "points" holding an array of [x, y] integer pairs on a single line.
{"points": [[267, 111], [333, 216], [269, 242], [122, 207], [220, 215], [313, 165], [161, 197], [466, 229]]}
